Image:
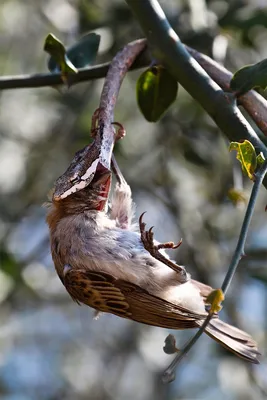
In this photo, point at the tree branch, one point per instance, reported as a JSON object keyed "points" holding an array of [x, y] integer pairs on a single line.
{"points": [[253, 102], [53, 79], [168, 49]]}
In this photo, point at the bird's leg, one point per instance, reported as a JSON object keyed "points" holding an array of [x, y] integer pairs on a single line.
{"points": [[147, 238], [121, 132], [122, 208]]}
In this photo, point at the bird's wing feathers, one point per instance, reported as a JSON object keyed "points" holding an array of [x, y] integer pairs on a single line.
{"points": [[97, 290], [108, 294]]}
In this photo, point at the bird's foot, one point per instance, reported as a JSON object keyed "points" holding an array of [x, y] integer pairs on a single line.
{"points": [[147, 238], [121, 132]]}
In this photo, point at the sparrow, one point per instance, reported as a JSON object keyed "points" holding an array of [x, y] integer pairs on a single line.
{"points": [[101, 258]]}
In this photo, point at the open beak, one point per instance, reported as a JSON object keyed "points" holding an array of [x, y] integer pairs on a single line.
{"points": [[102, 182]]}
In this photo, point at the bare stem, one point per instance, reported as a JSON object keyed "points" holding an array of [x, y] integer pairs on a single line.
{"points": [[239, 251], [54, 79], [169, 373]]}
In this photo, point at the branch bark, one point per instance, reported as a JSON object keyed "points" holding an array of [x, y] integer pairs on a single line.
{"points": [[169, 50], [253, 102], [54, 79]]}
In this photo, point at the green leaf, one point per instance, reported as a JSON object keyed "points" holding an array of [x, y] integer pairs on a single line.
{"points": [[81, 54], [56, 49], [214, 299], [249, 77], [156, 90], [246, 154]]}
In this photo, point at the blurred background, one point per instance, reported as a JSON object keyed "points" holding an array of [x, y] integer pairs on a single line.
{"points": [[180, 172]]}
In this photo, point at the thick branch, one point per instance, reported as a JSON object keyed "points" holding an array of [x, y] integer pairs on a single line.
{"points": [[168, 49], [253, 102]]}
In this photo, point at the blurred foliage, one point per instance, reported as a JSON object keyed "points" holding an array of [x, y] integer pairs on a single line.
{"points": [[180, 171]]}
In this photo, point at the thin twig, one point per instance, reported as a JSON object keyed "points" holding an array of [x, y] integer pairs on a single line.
{"points": [[54, 79], [169, 374], [239, 251]]}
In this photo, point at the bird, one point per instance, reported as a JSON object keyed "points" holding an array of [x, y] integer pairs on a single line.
{"points": [[100, 257]]}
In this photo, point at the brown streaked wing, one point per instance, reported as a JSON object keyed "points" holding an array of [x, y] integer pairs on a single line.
{"points": [[97, 290], [152, 310], [108, 294]]}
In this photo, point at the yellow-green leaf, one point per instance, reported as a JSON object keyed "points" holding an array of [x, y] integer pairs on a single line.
{"points": [[246, 154], [56, 49], [156, 90], [214, 299]]}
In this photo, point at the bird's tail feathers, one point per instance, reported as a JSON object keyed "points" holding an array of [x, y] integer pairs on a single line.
{"points": [[235, 340]]}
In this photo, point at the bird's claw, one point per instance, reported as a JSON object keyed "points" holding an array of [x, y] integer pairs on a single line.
{"points": [[147, 238], [121, 132], [170, 245]]}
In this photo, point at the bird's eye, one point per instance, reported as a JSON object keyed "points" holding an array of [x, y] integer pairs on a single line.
{"points": [[75, 179]]}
